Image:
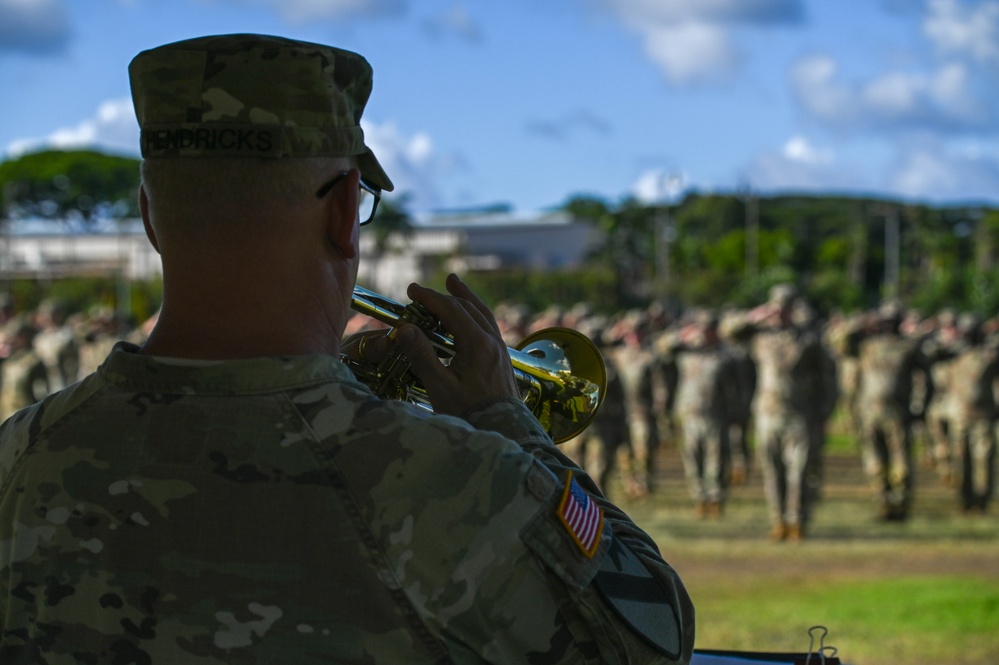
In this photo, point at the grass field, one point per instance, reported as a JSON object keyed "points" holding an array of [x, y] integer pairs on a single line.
{"points": [[924, 591]]}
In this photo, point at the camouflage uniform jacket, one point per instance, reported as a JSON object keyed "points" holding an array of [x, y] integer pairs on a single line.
{"points": [[888, 368], [791, 371], [975, 374], [272, 510], [709, 385], [636, 367]]}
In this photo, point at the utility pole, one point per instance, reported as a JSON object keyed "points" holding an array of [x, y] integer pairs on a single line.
{"points": [[752, 235], [892, 253], [670, 186]]}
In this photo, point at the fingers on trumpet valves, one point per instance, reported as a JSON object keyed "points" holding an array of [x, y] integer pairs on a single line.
{"points": [[367, 347]]}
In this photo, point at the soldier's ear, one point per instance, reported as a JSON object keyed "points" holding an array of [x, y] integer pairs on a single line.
{"points": [[341, 215]]}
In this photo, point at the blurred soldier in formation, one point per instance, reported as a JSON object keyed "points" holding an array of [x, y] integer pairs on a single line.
{"points": [[707, 388], [913, 326], [789, 398], [973, 414], [823, 395], [636, 365], [889, 364], [23, 377], [941, 346], [741, 410], [841, 331], [56, 345], [6, 309]]}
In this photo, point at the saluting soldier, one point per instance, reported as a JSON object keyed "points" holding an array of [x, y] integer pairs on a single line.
{"points": [[889, 365], [741, 410], [707, 390], [973, 415], [942, 345], [636, 366], [790, 363]]}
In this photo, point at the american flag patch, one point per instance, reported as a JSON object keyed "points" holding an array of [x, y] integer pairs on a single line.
{"points": [[582, 517]]}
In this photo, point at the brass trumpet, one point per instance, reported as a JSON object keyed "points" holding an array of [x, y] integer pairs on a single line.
{"points": [[560, 372]]}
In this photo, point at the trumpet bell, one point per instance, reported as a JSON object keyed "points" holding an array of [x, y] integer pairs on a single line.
{"points": [[572, 377]]}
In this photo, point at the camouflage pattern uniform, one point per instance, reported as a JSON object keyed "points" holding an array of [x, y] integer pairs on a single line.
{"points": [[822, 396], [791, 363], [973, 415], [273, 510], [941, 346], [706, 391], [741, 410], [242, 511], [888, 365], [840, 331]]}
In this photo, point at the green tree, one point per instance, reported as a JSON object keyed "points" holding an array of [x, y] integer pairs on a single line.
{"points": [[82, 184]]}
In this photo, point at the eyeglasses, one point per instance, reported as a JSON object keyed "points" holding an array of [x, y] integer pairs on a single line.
{"points": [[367, 201]]}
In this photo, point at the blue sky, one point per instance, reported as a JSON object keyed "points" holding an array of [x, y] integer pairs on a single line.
{"points": [[530, 102]]}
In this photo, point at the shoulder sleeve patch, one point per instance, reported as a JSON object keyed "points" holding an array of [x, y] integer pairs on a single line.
{"points": [[581, 516], [639, 599], [549, 537]]}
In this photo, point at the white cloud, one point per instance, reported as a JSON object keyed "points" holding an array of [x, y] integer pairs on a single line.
{"points": [[457, 21], [691, 40], [939, 173], [33, 26], [940, 100], [964, 31], [113, 128], [800, 165], [410, 161], [950, 92], [927, 170], [690, 51], [799, 149], [659, 186]]}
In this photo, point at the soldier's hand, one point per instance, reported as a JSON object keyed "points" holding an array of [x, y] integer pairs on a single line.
{"points": [[480, 369]]}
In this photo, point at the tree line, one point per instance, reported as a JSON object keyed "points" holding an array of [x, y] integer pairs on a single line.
{"points": [[705, 249]]}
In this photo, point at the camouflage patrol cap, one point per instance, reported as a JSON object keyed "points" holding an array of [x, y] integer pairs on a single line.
{"points": [[253, 96], [705, 318], [890, 310], [783, 294], [968, 322]]}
